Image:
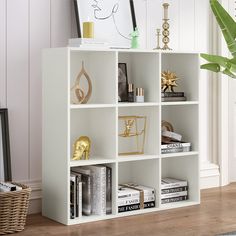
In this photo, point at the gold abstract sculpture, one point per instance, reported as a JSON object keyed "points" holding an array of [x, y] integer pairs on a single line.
{"points": [[130, 129], [78, 92], [165, 26], [81, 148], [168, 81]]}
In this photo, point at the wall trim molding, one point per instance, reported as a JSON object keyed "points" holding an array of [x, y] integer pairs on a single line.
{"points": [[209, 176]]}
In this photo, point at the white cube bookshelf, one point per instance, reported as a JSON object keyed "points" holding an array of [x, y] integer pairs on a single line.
{"points": [[64, 122]]}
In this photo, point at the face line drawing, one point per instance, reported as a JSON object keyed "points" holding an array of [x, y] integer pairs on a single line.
{"points": [[115, 9]]}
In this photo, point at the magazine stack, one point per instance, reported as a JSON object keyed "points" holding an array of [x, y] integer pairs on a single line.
{"points": [[173, 190], [90, 191], [135, 197]]}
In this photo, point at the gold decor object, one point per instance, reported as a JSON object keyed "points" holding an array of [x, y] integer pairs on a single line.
{"points": [[81, 148], [168, 81], [132, 132], [13, 209], [78, 94], [158, 34], [165, 27]]}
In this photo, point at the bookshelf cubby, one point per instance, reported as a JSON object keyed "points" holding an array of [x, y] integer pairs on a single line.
{"points": [[64, 122]]}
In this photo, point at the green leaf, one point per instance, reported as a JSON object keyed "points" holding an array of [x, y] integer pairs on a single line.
{"points": [[222, 61], [227, 25], [211, 66], [229, 73]]}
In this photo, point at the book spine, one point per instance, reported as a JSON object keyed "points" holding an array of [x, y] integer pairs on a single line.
{"points": [[86, 195], [172, 94], [175, 145], [174, 185], [174, 150], [176, 194], [80, 199], [103, 191], [173, 99], [134, 207], [174, 190], [174, 199], [108, 190], [130, 201]]}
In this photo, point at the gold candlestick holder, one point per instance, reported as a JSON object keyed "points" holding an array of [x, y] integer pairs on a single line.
{"points": [[158, 39], [165, 27]]}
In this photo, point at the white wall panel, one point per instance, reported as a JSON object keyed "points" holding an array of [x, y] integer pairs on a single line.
{"points": [[60, 22], [39, 39], [186, 25], [2, 53], [154, 21], [18, 85]]}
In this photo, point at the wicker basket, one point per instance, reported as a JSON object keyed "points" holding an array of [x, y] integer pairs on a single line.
{"points": [[13, 210]]}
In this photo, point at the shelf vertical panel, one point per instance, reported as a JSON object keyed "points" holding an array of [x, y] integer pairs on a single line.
{"points": [[55, 176]]}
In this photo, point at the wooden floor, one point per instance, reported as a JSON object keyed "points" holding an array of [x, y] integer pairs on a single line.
{"points": [[215, 215]]}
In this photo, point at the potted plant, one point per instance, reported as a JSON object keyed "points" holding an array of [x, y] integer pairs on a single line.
{"points": [[228, 27]]}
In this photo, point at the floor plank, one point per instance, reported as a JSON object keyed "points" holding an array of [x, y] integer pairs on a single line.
{"points": [[216, 214]]}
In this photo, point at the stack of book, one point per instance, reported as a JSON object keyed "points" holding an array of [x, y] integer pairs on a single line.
{"points": [[134, 197], [175, 147], [173, 190], [91, 191], [172, 96], [88, 43]]}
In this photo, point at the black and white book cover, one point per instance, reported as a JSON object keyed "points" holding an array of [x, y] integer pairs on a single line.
{"points": [[174, 199], [176, 194], [72, 196], [167, 183], [108, 190], [174, 190]]}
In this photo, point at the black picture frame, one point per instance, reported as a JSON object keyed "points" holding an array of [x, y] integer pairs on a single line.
{"points": [[5, 156], [78, 20], [122, 82]]}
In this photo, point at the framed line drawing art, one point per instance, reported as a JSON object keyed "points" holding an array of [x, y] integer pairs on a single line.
{"points": [[5, 159], [114, 20]]}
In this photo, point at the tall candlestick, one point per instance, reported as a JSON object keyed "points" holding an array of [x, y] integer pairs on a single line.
{"points": [[158, 39], [165, 5]]}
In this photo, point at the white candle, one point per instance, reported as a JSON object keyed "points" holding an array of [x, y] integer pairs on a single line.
{"points": [[165, 5]]}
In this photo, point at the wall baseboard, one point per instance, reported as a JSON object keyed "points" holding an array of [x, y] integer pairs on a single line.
{"points": [[209, 176]]}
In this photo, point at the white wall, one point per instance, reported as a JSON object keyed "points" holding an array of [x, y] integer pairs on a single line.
{"points": [[27, 26]]}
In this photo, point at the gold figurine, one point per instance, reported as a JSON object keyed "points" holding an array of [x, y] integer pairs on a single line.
{"points": [[168, 81], [81, 148], [133, 128]]}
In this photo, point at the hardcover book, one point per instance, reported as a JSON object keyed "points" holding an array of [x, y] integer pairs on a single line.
{"points": [[174, 190], [173, 99], [172, 195], [86, 189], [172, 94], [98, 189], [174, 199], [169, 183]]}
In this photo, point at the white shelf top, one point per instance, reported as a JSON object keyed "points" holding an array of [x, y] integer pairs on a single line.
{"points": [[179, 103], [92, 161], [179, 154], [136, 158], [136, 104], [128, 50], [87, 106]]}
